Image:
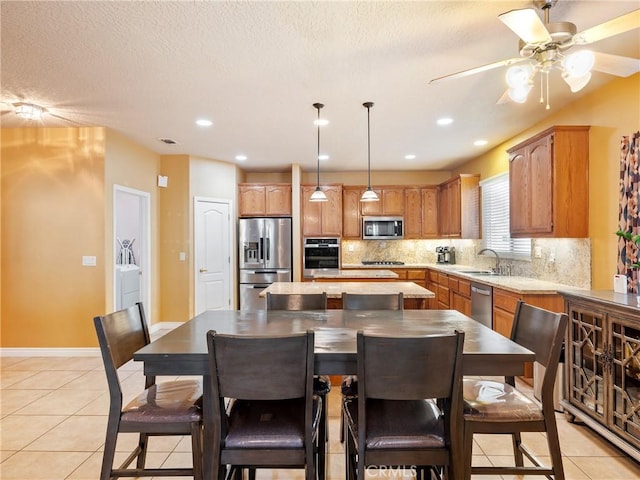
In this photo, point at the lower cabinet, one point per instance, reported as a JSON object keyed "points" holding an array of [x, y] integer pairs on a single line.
{"points": [[460, 294], [602, 367]]}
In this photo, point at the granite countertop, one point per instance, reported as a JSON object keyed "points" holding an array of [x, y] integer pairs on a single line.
{"points": [[516, 284], [355, 274], [335, 289]]}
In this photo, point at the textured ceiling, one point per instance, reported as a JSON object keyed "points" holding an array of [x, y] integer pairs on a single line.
{"points": [[150, 69]]}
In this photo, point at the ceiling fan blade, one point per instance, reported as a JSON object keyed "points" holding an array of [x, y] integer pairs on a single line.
{"points": [[527, 25], [615, 64], [483, 68], [615, 26]]}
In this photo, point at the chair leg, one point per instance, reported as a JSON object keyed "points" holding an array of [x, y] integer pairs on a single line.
{"points": [[467, 451], [322, 440], [142, 446], [109, 449], [554, 449], [516, 439], [196, 450]]}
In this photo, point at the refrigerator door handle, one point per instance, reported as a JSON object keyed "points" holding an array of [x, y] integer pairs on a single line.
{"points": [[267, 247], [261, 249]]}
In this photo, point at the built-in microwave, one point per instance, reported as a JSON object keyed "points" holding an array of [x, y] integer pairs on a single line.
{"points": [[382, 228]]}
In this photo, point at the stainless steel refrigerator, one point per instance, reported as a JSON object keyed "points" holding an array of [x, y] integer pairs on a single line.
{"points": [[264, 257]]}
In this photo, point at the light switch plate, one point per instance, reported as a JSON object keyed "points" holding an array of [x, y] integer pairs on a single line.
{"points": [[88, 260]]}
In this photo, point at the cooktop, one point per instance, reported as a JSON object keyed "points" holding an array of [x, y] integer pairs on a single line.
{"points": [[382, 262]]}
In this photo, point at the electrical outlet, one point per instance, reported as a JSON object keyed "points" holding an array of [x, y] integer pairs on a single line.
{"points": [[351, 248], [537, 252], [88, 261], [552, 257]]}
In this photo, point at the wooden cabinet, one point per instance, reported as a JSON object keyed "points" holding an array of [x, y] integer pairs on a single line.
{"points": [[430, 212], [351, 217], [264, 200], [459, 205], [391, 202], [460, 294], [602, 365], [438, 283], [549, 184], [421, 212], [504, 308], [322, 218]]}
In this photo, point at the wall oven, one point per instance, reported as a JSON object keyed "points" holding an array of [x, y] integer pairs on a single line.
{"points": [[321, 254]]}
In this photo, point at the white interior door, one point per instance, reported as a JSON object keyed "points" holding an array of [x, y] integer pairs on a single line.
{"points": [[213, 240]]}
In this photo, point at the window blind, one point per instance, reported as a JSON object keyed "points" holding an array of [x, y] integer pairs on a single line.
{"points": [[495, 220]]}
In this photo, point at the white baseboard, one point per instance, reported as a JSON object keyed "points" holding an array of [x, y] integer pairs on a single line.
{"points": [[73, 351]]}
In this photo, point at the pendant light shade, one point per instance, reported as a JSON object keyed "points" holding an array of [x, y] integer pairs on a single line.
{"points": [[369, 195], [318, 195]]}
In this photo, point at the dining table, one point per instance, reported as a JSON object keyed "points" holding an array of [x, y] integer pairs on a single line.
{"points": [[183, 351]]}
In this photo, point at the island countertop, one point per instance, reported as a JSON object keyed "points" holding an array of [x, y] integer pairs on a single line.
{"points": [[356, 274], [335, 289]]}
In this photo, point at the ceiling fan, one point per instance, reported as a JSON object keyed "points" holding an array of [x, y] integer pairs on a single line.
{"points": [[31, 112], [543, 46]]}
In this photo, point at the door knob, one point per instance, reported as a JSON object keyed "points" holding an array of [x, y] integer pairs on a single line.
{"points": [[202, 270]]}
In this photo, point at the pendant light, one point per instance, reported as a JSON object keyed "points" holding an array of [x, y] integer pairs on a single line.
{"points": [[369, 195], [318, 195]]}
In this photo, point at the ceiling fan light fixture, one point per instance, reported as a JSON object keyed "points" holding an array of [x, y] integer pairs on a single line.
{"points": [[578, 64], [318, 195], [576, 83], [519, 75], [519, 94], [29, 111]]}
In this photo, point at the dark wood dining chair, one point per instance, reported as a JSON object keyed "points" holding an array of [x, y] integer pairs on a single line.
{"points": [[321, 383], [497, 407], [365, 301], [292, 301], [272, 418], [165, 408], [408, 404]]}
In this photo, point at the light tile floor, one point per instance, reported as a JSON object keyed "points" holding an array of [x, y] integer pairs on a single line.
{"points": [[53, 415]]}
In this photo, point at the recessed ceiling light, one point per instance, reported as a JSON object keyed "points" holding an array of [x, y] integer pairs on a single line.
{"points": [[203, 122], [410, 156], [444, 121], [480, 143], [323, 156], [321, 122], [241, 158]]}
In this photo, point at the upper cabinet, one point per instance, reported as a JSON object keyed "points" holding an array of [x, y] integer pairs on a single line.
{"points": [[264, 200], [322, 219], [421, 212], [391, 202], [549, 184], [351, 217], [459, 207]]}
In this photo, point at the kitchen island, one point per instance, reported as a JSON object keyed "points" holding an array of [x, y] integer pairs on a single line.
{"points": [[362, 275], [415, 296]]}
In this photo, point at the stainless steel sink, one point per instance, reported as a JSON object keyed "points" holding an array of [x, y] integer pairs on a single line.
{"points": [[479, 272]]}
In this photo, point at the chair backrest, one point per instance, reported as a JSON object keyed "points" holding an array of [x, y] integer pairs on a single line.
{"points": [[542, 332], [409, 368], [261, 368], [302, 301], [358, 301], [120, 335]]}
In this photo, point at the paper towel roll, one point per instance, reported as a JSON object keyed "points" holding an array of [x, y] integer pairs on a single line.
{"points": [[620, 283]]}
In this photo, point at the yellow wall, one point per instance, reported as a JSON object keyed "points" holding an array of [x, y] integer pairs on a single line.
{"points": [[612, 111], [53, 196], [175, 237]]}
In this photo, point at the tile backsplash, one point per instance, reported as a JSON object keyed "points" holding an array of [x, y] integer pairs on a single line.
{"points": [[561, 260]]}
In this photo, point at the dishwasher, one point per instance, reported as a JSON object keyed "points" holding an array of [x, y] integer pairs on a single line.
{"points": [[481, 304]]}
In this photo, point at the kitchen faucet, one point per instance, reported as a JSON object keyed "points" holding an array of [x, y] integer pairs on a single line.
{"points": [[497, 268]]}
